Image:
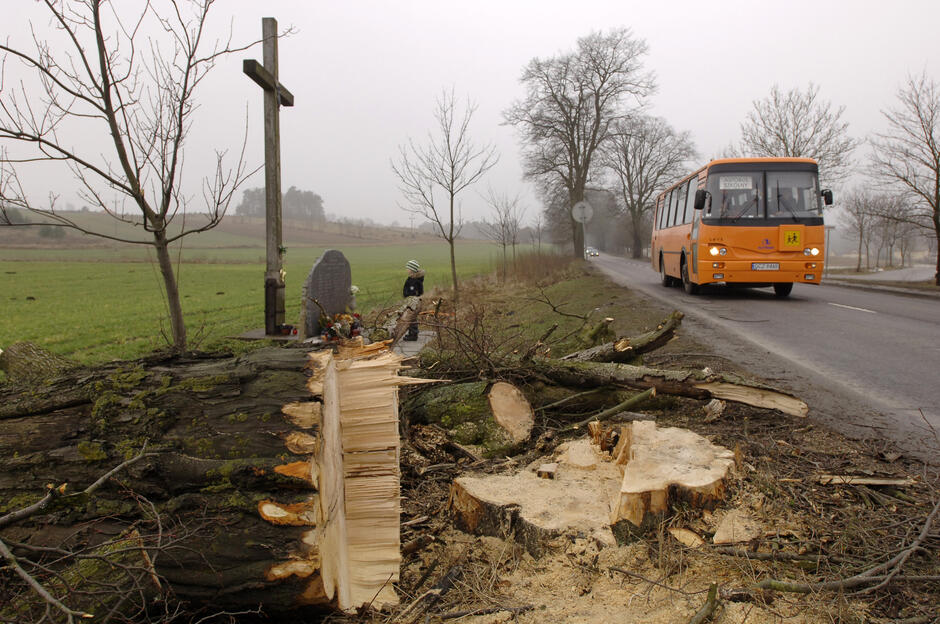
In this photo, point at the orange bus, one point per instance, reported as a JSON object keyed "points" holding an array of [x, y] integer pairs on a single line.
{"points": [[750, 222]]}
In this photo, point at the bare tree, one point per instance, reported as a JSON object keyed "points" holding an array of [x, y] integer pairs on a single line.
{"points": [[857, 209], [798, 124], [645, 156], [504, 228], [907, 156], [537, 226], [571, 105], [103, 73], [448, 163]]}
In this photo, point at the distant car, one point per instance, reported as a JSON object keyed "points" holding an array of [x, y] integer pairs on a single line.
{"points": [[591, 251]]}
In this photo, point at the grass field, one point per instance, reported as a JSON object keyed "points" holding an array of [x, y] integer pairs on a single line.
{"points": [[98, 304]]}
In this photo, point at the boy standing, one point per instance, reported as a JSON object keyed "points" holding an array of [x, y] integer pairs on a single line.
{"points": [[414, 287]]}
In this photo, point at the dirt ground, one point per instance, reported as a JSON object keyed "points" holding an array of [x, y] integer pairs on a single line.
{"points": [[808, 532]]}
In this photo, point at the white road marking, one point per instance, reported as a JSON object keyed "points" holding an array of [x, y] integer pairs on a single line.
{"points": [[839, 305]]}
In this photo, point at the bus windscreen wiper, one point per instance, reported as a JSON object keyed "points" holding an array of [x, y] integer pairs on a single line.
{"points": [[744, 209], [796, 219]]}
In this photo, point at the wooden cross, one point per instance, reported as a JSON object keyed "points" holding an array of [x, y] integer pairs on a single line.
{"points": [[275, 96]]}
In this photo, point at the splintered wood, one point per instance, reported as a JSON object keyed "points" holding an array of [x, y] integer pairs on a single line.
{"points": [[350, 555], [591, 488]]}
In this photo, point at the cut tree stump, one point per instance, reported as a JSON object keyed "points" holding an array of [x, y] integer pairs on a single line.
{"points": [[277, 470], [662, 466], [595, 493]]}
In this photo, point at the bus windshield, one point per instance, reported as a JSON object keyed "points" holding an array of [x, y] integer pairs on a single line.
{"points": [[787, 195], [792, 194]]}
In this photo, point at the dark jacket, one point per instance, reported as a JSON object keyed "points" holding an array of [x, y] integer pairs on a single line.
{"points": [[414, 285]]}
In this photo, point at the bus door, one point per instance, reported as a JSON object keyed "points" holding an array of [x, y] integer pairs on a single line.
{"points": [[693, 237]]}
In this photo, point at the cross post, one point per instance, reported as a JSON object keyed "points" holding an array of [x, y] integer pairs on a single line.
{"points": [[275, 96]]}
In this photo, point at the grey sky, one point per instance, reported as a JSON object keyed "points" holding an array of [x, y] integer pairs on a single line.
{"points": [[365, 76]]}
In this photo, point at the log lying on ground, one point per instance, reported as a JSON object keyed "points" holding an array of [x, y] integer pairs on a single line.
{"points": [[695, 384], [593, 492], [496, 416], [273, 497], [626, 349]]}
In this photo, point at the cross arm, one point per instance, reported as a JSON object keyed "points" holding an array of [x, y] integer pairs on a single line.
{"points": [[263, 78]]}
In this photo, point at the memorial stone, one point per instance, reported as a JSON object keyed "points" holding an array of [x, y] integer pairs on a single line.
{"points": [[328, 283]]}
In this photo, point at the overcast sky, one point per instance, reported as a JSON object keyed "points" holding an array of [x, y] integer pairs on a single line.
{"points": [[365, 76]]}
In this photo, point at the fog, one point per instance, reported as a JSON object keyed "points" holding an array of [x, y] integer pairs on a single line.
{"points": [[365, 77]]}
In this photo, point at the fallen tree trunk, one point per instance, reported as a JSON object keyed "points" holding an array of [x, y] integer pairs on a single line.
{"points": [[627, 349], [496, 416], [265, 493], [695, 384]]}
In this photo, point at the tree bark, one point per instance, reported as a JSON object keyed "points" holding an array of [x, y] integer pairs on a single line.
{"points": [[495, 416], [627, 349], [238, 471], [175, 308], [695, 384]]}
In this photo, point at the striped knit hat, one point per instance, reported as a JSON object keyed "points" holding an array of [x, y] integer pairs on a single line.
{"points": [[413, 266]]}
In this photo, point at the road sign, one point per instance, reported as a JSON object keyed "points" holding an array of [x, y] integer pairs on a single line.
{"points": [[582, 212]]}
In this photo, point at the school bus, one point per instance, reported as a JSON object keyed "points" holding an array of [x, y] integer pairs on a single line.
{"points": [[749, 222]]}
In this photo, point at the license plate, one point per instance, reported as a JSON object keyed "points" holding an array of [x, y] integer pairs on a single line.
{"points": [[765, 266]]}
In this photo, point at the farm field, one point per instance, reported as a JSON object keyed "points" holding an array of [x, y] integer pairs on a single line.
{"points": [[97, 304]]}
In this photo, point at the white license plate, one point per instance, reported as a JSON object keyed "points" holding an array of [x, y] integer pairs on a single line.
{"points": [[765, 266]]}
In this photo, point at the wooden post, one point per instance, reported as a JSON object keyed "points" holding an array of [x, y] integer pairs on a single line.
{"points": [[275, 96]]}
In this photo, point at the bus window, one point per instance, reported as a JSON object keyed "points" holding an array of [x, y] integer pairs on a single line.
{"points": [[792, 194], [690, 200], [681, 197], [736, 195], [680, 202]]}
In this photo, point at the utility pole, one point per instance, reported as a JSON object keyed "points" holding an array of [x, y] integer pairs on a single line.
{"points": [[275, 96]]}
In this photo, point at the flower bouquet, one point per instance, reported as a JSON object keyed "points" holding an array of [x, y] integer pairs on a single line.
{"points": [[341, 326]]}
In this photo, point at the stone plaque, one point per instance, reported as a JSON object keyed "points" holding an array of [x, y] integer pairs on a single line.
{"points": [[328, 282]]}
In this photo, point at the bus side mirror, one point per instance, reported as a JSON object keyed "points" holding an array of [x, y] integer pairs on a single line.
{"points": [[700, 196], [826, 195]]}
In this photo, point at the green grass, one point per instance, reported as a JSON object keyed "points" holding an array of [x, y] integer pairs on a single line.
{"points": [[91, 306]]}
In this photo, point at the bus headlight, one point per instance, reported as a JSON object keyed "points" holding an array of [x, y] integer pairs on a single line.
{"points": [[811, 251], [717, 251]]}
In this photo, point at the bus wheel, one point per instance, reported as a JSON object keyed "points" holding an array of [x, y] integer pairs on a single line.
{"points": [[783, 289], [666, 279], [688, 285]]}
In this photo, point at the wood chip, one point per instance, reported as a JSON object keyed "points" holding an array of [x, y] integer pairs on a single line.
{"points": [[547, 471], [686, 536]]}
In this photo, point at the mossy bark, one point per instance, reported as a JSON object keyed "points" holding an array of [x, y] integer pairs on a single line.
{"points": [[216, 435], [464, 411]]}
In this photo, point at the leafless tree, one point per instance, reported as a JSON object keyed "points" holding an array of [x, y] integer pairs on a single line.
{"points": [[537, 226], [507, 221], [857, 210], [447, 164], [571, 105], [99, 71], [907, 156], [645, 155], [799, 124]]}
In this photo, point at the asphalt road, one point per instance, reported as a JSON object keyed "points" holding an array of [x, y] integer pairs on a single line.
{"points": [[866, 362]]}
